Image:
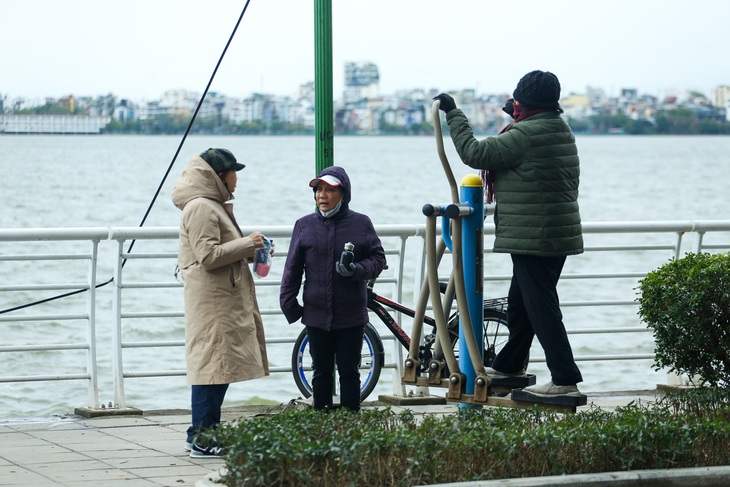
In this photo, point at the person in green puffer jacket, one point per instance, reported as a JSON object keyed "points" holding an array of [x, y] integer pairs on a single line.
{"points": [[532, 170]]}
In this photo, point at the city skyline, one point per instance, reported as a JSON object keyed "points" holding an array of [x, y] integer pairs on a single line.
{"points": [[141, 49], [338, 97]]}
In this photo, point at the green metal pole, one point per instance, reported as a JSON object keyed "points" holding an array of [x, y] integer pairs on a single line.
{"points": [[323, 101]]}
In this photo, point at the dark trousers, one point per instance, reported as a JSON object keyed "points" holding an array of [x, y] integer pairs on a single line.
{"points": [[344, 346], [206, 402], [533, 309]]}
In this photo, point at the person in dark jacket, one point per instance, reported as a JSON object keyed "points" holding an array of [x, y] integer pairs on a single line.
{"points": [[334, 308], [532, 169]]}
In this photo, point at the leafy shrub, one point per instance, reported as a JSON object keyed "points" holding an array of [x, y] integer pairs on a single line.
{"points": [[686, 303], [384, 448]]}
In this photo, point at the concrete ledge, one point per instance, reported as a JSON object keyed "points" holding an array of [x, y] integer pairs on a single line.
{"points": [[411, 400], [102, 412], [676, 477]]}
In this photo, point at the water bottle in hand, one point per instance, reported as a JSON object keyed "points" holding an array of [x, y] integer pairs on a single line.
{"points": [[262, 260], [345, 266]]}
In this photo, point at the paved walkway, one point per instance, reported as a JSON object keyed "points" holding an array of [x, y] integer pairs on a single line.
{"points": [[143, 450]]}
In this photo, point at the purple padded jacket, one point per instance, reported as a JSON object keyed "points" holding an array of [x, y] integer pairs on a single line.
{"points": [[329, 300]]}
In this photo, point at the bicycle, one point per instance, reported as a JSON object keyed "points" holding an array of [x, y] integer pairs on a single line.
{"points": [[373, 352]]}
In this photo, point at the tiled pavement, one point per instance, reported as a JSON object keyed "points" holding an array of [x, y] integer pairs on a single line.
{"points": [[107, 451]]}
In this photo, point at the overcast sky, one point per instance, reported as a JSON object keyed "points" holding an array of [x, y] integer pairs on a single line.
{"points": [[139, 49]]}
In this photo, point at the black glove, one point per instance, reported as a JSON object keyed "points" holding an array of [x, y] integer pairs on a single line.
{"points": [[509, 107], [447, 103], [345, 270]]}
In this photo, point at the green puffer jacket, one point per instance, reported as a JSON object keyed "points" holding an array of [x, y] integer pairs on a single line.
{"points": [[536, 169]]}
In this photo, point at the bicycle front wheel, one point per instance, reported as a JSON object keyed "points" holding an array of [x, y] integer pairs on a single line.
{"points": [[372, 359], [495, 331]]}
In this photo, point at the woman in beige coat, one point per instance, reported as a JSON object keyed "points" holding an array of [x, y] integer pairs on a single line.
{"points": [[224, 335]]}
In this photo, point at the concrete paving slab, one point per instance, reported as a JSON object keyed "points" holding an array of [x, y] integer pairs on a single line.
{"points": [[15, 476], [28, 455], [154, 460], [67, 437], [93, 477], [137, 452], [123, 483], [182, 471], [15, 439], [86, 464]]}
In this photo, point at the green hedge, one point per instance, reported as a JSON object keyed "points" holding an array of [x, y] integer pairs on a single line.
{"points": [[384, 448]]}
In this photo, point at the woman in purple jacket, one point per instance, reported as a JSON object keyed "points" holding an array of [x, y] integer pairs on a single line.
{"points": [[334, 308]]}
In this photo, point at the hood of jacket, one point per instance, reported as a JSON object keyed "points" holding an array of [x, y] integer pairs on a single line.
{"points": [[199, 180], [341, 174]]}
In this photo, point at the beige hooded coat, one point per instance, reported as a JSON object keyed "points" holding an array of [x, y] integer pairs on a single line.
{"points": [[224, 334]]}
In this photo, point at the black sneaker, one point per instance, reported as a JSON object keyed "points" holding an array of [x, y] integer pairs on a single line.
{"points": [[211, 451]]}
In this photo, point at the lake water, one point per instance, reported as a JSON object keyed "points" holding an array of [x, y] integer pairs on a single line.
{"points": [[91, 181]]}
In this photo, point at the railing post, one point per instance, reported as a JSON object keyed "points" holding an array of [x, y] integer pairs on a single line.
{"points": [[93, 388], [117, 362], [399, 389], [678, 248]]}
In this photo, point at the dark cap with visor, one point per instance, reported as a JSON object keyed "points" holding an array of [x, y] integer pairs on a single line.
{"points": [[221, 160]]}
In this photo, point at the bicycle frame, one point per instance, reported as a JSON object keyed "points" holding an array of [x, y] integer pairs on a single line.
{"points": [[376, 303]]}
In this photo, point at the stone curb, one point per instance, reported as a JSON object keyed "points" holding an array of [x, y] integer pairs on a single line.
{"points": [[677, 477]]}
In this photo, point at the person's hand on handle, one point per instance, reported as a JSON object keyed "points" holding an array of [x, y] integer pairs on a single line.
{"points": [[509, 107], [446, 102]]}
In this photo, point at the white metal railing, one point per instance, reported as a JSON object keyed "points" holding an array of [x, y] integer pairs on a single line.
{"points": [[89, 343], [404, 248]]}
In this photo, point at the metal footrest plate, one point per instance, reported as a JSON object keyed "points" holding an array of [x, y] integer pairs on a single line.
{"points": [[510, 383], [573, 401]]}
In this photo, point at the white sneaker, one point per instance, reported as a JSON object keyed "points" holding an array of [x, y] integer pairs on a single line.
{"points": [[188, 445], [496, 374], [550, 389]]}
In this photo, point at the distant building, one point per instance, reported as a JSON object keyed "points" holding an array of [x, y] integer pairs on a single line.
{"points": [[53, 124], [150, 109], [722, 99], [124, 111], [362, 81], [576, 106]]}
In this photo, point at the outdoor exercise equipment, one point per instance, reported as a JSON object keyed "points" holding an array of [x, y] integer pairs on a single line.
{"points": [[462, 233]]}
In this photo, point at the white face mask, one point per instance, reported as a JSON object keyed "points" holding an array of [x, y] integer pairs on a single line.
{"points": [[332, 212]]}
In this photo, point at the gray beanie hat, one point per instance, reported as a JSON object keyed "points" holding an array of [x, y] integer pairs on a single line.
{"points": [[538, 89], [221, 160]]}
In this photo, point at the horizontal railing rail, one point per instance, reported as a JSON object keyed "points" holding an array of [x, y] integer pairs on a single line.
{"points": [[654, 244]]}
